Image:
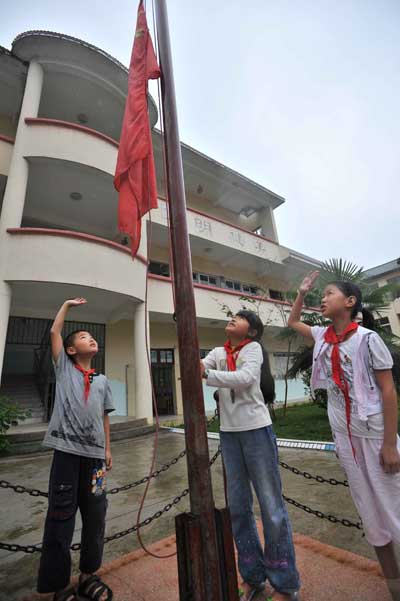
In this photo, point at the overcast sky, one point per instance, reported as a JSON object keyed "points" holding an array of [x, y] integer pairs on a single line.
{"points": [[303, 97]]}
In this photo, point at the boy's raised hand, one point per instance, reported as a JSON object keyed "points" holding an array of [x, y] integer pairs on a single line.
{"points": [[75, 302], [308, 283], [56, 328]]}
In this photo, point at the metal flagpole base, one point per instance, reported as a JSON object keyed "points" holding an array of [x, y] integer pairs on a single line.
{"points": [[189, 545]]}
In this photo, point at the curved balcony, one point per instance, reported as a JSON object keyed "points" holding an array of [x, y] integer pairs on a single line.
{"points": [[66, 257], [52, 138], [6, 149], [71, 64]]}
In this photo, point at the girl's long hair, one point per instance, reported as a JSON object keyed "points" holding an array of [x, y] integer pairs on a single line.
{"points": [[267, 382]]}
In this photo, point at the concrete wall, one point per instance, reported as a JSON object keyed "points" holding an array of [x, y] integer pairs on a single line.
{"points": [[119, 365], [393, 311], [6, 150]]}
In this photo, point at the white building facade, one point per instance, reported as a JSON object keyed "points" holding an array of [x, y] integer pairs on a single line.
{"points": [[61, 109], [388, 273]]}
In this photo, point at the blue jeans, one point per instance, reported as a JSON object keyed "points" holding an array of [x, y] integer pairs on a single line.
{"points": [[252, 457]]}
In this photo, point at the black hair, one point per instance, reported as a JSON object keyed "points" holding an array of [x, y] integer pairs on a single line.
{"points": [[351, 289], [69, 341], [267, 382], [254, 321]]}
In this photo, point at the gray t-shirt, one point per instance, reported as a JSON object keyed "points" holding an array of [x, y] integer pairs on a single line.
{"points": [[76, 425]]}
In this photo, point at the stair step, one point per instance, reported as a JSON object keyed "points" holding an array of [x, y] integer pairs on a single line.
{"points": [[38, 419], [31, 442], [131, 433], [127, 424], [19, 391], [35, 413], [25, 400]]}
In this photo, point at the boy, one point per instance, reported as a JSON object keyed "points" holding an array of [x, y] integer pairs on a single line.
{"points": [[79, 433]]}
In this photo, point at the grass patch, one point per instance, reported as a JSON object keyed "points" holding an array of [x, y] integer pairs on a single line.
{"points": [[302, 422]]}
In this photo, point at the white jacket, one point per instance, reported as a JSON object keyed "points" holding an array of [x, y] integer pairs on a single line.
{"points": [[241, 402]]}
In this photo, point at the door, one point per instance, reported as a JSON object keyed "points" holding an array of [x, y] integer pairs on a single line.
{"points": [[162, 367]]}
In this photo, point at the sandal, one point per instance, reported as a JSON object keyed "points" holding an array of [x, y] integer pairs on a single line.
{"points": [[68, 594], [93, 588]]}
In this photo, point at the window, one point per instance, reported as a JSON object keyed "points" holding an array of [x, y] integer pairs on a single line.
{"points": [[166, 356], [208, 280], [250, 289], [276, 295], [162, 356], [159, 268]]}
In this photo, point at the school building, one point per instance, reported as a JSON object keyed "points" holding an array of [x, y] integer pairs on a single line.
{"points": [[388, 273], [61, 110]]}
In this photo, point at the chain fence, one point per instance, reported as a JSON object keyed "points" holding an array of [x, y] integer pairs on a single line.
{"points": [[34, 492]]}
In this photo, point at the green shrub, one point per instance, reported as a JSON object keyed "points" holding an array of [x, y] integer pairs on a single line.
{"points": [[10, 415]]}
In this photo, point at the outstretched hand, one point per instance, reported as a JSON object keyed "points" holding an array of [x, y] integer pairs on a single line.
{"points": [[75, 302], [308, 283]]}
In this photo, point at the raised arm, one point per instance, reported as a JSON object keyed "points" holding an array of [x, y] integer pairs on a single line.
{"points": [[58, 324], [294, 320]]}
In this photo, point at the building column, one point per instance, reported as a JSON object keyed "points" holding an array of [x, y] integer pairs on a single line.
{"points": [[15, 192], [143, 392], [119, 359], [5, 304]]}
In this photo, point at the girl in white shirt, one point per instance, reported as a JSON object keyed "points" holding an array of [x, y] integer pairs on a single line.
{"points": [[251, 457], [354, 365]]}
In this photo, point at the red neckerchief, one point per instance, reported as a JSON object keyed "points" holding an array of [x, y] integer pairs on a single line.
{"points": [[86, 378], [232, 352], [337, 372]]}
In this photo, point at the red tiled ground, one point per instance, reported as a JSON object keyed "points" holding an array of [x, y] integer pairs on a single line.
{"points": [[328, 574]]}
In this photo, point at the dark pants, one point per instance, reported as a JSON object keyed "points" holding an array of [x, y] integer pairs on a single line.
{"points": [[75, 481]]}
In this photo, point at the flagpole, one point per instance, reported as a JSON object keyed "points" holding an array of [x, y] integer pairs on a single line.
{"points": [[201, 496]]}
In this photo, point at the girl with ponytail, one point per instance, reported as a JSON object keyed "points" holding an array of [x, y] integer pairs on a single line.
{"points": [[240, 371], [354, 365]]}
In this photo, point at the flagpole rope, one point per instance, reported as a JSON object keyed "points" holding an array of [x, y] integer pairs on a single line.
{"points": [[164, 163], [148, 353]]}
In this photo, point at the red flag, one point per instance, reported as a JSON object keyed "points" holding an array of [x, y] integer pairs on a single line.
{"points": [[135, 176]]}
